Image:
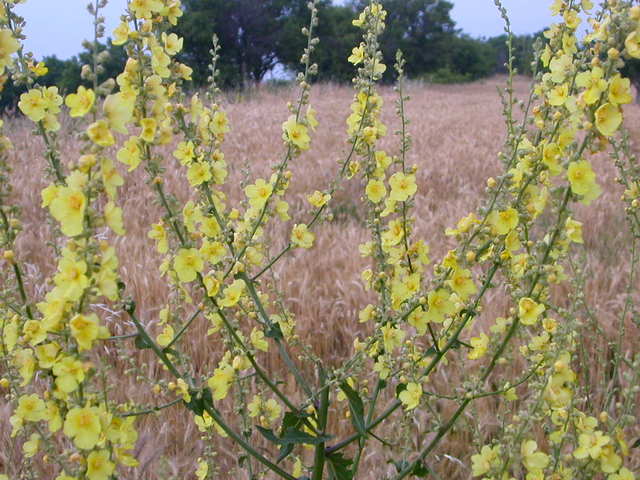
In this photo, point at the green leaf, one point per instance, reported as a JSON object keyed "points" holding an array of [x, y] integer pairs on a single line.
{"points": [[274, 331], [340, 468], [285, 451], [400, 388], [636, 444], [141, 343], [356, 407]]}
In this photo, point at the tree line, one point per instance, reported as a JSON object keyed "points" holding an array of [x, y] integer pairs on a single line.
{"points": [[257, 36]]}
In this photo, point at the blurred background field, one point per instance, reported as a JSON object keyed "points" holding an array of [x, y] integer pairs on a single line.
{"points": [[457, 132]]}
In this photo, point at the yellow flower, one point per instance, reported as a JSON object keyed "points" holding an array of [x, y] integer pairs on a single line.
{"points": [[212, 252], [632, 44], [623, 474], [80, 103], [31, 408], [531, 458], [85, 329], [33, 104], [149, 127], [231, 295], [440, 305], [591, 444], [609, 461], [620, 90], [8, 46], [392, 337], [296, 133], [121, 34], [502, 222], [410, 396], [202, 470], [583, 181], [71, 280], [113, 218], [99, 465], [68, 208], [594, 84], [219, 124], [608, 119], [318, 199], [34, 332], [481, 462], [198, 173], [357, 55], [258, 340], [463, 226], [118, 109], [185, 152], [375, 191], [130, 154], [574, 230], [69, 373], [479, 345], [551, 156], [221, 381], [187, 264], [462, 283], [529, 311], [301, 236], [83, 426], [403, 186], [159, 234], [100, 134], [31, 446], [258, 193], [145, 8], [558, 95]]}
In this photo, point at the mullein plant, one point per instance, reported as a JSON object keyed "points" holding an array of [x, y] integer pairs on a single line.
{"points": [[423, 318]]}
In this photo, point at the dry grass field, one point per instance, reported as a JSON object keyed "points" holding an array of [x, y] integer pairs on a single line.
{"points": [[457, 133]]}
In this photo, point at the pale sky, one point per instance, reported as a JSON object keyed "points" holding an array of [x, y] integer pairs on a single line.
{"points": [[58, 27]]}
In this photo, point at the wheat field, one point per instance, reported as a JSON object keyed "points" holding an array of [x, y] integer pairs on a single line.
{"points": [[457, 133]]}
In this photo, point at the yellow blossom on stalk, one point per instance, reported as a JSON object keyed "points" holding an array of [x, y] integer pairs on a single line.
{"points": [[375, 190], [529, 311], [558, 95], [392, 337], [258, 340], [185, 152], [574, 230], [609, 461], [143, 9], [113, 217], [8, 46], [99, 465], [31, 408], [583, 181], [202, 470], [312, 121], [632, 44], [231, 295], [620, 90], [47, 354], [121, 34], [258, 193], [301, 236], [118, 109], [440, 305], [593, 83], [480, 345], [149, 127], [410, 396], [394, 233], [532, 459], [159, 234], [551, 155], [82, 424], [482, 462], [34, 332], [623, 474], [68, 208], [85, 329], [608, 119], [463, 226], [296, 133], [31, 446], [198, 173], [560, 68], [71, 279], [221, 381], [33, 105], [502, 222], [130, 154], [80, 103], [219, 124], [591, 444], [166, 336], [69, 373], [318, 199], [461, 282], [100, 134], [403, 186], [172, 43], [187, 264], [357, 55], [212, 252]]}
